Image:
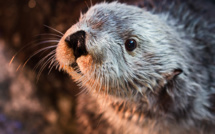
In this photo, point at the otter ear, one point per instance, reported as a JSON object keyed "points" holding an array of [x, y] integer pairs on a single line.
{"points": [[173, 74]]}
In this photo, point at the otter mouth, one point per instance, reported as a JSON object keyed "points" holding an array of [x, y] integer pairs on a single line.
{"points": [[76, 67]]}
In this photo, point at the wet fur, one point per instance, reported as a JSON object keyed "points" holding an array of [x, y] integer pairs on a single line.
{"points": [[166, 85]]}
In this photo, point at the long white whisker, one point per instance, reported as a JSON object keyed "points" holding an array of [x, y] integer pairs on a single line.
{"points": [[37, 65], [53, 29], [43, 67], [29, 45], [43, 49], [53, 59], [55, 64], [46, 34]]}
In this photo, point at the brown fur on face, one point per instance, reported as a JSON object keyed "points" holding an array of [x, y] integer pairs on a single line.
{"points": [[64, 54], [85, 62]]}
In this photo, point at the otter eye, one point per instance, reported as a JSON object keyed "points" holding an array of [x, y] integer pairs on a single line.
{"points": [[130, 44]]}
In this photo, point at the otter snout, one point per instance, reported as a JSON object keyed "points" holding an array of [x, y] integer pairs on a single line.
{"points": [[76, 41]]}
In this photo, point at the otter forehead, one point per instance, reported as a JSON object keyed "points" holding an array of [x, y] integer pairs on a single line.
{"points": [[119, 19], [113, 13]]}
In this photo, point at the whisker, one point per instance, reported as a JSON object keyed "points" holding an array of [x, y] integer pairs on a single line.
{"points": [[52, 55], [82, 91], [53, 60], [29, 45], [44, 66], [100, 79], [53, 29], [48, 46], [18, 67], [82, 86], [93, 83], [81, 79], [53, 63], [40, 50], [57, 66], [48, 41], [107, 84], [37, 65], [86, 4], [91, 3], [47, 34]]}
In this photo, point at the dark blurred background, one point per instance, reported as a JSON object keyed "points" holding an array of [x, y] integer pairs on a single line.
{"points": [[28, 105]]}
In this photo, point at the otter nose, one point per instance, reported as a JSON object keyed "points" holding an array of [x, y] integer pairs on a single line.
{"points": [[76, 41]]}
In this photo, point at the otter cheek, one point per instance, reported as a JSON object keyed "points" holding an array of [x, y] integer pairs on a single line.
{"points": [[85, 63]]}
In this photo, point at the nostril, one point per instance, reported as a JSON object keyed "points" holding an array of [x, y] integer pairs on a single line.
{"points": [[69, 42], [73, 39], [76, 41]]}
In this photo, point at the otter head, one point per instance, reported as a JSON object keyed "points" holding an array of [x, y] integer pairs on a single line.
{"points": [[120, 50]]}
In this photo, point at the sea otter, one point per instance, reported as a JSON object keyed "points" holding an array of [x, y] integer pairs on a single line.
{"points": [[144, 71]]}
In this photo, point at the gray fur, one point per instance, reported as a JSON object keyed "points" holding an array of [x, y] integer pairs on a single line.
{"points": [[166, 85]]}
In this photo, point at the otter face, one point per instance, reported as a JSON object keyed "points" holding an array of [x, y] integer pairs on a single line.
{"points": [[120, 50]]}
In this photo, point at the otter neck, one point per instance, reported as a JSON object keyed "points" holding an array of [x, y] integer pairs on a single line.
{"points": [[169, 102]]}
